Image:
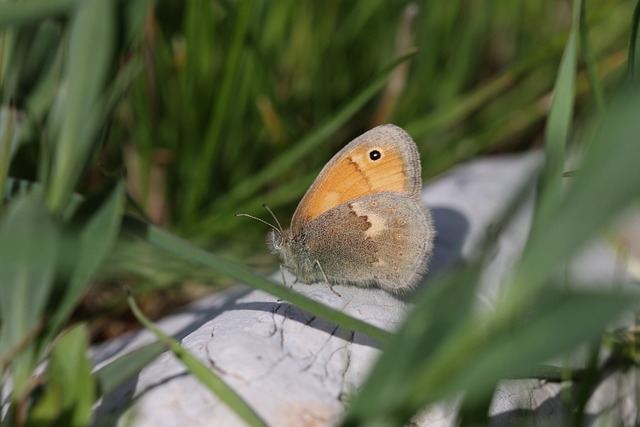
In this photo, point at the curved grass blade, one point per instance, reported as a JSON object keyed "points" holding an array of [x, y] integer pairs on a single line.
{"points": [[86, 69], [9, 138], [94, 231], [475, 356], [29, 251], [437, 314], [633, 66], [201, 372], [69, 391], [162, 239], [117, 372], [590, 61], [22, 12], [15, 188], [608, 182], [559, 124], [505, 349]]}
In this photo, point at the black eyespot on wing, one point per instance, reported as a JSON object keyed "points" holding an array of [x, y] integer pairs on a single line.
{"points": [[375, 155]]}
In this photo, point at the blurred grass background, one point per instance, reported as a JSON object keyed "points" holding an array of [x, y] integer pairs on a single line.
{"points": [[227, 105]]}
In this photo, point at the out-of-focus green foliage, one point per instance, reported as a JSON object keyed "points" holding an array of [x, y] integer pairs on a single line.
{"points": [[58, 88], [229, 90]]}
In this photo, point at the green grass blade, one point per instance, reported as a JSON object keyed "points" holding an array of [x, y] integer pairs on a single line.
{"points": [[15, 188], [202, 372], [559, 123], [162, 239], [9, 133], [69, 392], [436, 315], [94, 229], [508, 349], [633, 65], [29, 249], [207, 158], [426, 362], [86, 70], [590, 61], [608, 181], [43, 94], [117, 372], [460, 107], [23, 12]]}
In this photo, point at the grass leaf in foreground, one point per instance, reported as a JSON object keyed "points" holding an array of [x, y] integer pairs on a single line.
{"points": [[22, 12], [514, 349], [185, 250], [69, 391], [437, 314], [471, 358], [559, 124], [633, 66], [29, 251], [94, 229], [608, 182], [86, 71], [126, 366], [202, 372]]}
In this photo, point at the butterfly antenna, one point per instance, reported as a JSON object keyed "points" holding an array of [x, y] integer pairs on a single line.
{"points": [[279, 231], [274, 217]]}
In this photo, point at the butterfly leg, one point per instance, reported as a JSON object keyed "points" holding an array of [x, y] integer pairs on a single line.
{"points": [[326, 279], [284, 280]]}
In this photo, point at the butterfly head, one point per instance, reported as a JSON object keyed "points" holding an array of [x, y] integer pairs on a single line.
{"points": [[281, 243], [277, 241]]}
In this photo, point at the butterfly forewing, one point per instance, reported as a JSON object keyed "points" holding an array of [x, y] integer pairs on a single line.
{"points": [[385, 159]]}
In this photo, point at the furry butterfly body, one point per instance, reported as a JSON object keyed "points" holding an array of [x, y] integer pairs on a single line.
{"points": [[362, 221]]}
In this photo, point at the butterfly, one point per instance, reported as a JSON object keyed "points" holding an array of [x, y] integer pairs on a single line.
{"points": [[362, 221]]}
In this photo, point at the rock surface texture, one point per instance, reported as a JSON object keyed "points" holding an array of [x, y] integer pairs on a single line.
{"points": [[295, 369]]}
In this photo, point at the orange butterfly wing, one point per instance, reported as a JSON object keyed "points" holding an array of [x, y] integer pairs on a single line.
{"points": [[384, 159]]}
